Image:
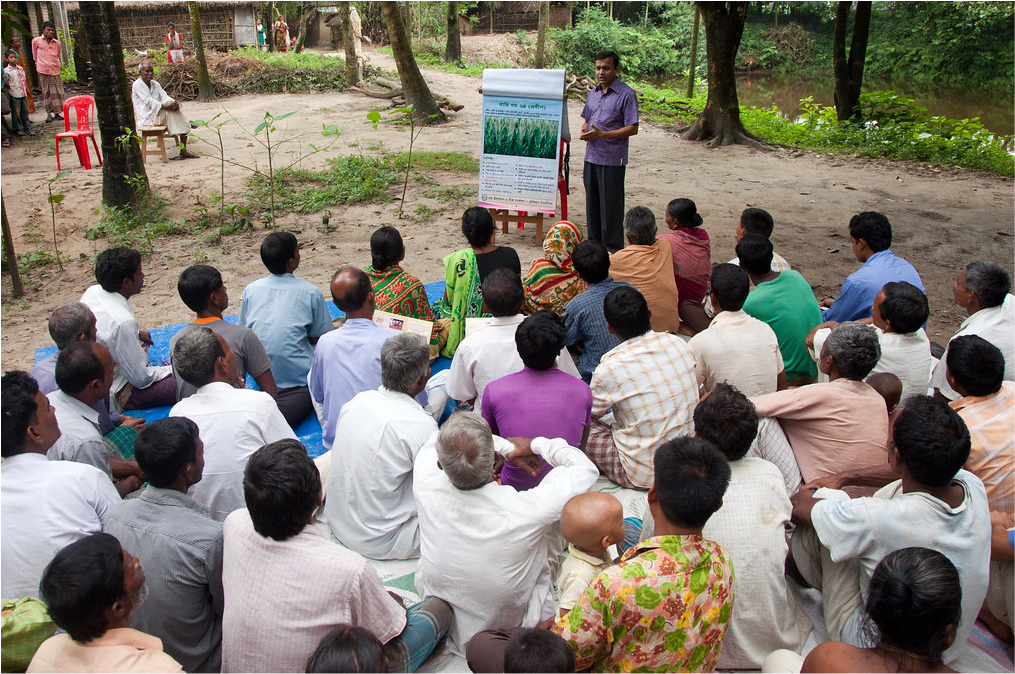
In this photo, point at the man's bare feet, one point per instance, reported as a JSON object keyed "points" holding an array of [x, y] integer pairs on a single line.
{"points": [[187, 154]]}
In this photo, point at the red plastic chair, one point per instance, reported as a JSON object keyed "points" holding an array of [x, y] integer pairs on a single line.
{"points": [[83, 107]]}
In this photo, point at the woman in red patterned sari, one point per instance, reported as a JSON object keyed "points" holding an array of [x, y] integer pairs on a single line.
{"points": [[396, 291]]}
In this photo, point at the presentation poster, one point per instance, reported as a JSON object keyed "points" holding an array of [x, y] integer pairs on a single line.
{"points": [[518, 165]]}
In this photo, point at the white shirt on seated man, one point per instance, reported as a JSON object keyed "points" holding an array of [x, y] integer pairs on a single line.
{"points": [[378, 435], [488, 550]]}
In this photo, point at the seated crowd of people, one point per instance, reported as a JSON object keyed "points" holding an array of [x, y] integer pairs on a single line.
{"points": [[771, 442]]}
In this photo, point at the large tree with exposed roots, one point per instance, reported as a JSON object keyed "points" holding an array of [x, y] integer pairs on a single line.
{"points": [[719, 122]]}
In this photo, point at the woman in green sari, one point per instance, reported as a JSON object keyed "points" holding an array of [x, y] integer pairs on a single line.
{"points": [[464, 272]]}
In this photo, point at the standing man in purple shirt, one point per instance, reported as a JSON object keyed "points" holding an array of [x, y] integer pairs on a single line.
{"points": [[611, 117]]}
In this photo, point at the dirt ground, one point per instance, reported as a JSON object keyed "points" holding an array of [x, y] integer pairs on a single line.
{"points": [[942, 218]]}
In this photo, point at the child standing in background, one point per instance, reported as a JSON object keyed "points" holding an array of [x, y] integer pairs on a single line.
{"points": [[17, 88]]}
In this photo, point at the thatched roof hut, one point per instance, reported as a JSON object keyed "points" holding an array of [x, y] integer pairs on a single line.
{"points": [[143, 24]]}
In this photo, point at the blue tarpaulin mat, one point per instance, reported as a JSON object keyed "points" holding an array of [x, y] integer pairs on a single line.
{"points": [[309, 432]]}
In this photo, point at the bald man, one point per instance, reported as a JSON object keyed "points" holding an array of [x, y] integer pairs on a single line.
{"points": [[591, 523]]}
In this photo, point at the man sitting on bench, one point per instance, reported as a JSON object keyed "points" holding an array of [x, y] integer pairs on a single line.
{"points": [[154, 107]]}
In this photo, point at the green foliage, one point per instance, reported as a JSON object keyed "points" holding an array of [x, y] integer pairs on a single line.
{"points": [[291, 72], [346, 180], [644, 51], [455, 162], [894, 129]]}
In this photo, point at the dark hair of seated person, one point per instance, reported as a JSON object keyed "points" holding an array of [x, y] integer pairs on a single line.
{"points": [[113, 265], [755, 254], [536, 650], [627, 312], [196, 284], [913, 597], [591, 260], [728, 419], [757, 221], [20, 410], [81, 582], [932, 439], [975, 364], [540, 339], [276, 251], [872, 227], [164, 446], [477, 226], [690, 481], [730, 284], [77, 366], [348, 648], [386, 248], [282, 488], [905, 306]]}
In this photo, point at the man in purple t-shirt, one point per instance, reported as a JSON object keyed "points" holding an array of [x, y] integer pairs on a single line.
{"points": [[541, 400], [611, 117]]}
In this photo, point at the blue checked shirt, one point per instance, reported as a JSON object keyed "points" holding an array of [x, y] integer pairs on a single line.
{"points": [[586, 325]]}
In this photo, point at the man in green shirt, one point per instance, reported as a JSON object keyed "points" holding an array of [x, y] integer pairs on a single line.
{"points": [[785, 301]]}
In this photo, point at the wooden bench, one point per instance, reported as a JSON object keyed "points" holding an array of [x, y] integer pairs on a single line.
{"points": [[159, 134]]}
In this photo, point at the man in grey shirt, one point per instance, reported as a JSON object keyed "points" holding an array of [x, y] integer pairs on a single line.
{"points": [[202, 290], [179, 545]]}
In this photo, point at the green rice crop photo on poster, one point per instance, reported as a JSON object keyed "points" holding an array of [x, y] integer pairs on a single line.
{"points": [[514, 136]]}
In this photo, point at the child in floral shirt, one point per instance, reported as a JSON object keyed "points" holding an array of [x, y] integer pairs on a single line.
{"points": [[666, 605]]}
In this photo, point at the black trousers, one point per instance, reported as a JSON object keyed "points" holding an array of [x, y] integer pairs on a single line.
{"points": [[294, 404], [604, 204]]}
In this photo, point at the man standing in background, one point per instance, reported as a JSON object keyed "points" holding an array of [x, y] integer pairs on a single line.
{"points": [[46, 52], [611, 117]]}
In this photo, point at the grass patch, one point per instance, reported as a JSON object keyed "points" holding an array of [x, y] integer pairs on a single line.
{"points": [[892, 128], [452, 195], [453, 162], [346, 180], [137, 227]]}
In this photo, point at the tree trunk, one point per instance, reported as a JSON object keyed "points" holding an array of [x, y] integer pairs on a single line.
{"points": [[417, 93], [544, 20], [453, 49], [719, 122], [351, 67], [205, 89], [849, 71], [268, 20], [12, 259], [82, 67], [113, 106], [692, 72], [308, 12]]}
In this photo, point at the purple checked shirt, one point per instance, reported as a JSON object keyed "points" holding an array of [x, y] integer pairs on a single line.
{"points": [[609, 111]]}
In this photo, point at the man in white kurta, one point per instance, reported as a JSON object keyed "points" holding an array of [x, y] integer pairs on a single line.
{"points": [[487, 550], [379, 433], [154, 107], [46, 505], [233, 422]]}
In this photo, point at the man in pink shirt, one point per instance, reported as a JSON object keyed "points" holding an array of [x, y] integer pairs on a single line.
{"points": [[46, 51], [838, 426]]}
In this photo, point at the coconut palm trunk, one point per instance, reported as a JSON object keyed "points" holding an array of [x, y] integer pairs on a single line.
{"points": [[123, 172]]}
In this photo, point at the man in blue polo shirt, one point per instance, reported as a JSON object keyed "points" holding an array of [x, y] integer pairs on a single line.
{"points": [[611, 117], [288, 315], [871, 234]]}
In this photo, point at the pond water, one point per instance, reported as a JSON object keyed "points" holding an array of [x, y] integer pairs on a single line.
{"points": [[764, 90]]}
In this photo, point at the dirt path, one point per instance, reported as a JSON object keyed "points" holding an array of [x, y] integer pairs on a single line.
{"points": [[942, 218]]}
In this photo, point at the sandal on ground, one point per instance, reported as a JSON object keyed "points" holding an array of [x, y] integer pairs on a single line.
{"points": [[5, 143], [187, 154], [177, 157]]}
